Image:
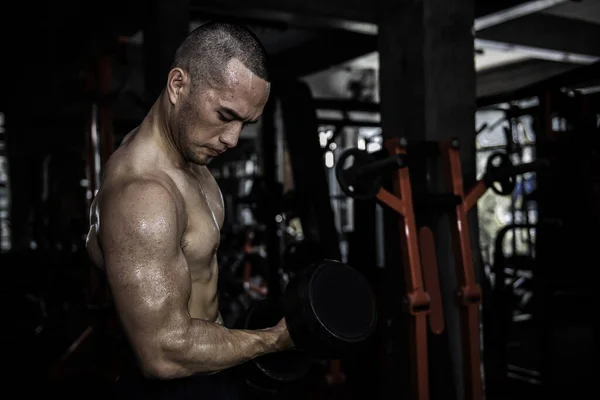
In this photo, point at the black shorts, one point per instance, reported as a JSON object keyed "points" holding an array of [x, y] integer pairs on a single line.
{"points": [[224, 385]]}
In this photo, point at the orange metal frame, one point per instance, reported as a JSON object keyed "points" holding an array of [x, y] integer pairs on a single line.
{"points": [[418, 299], [469, 290], [421, 275]]}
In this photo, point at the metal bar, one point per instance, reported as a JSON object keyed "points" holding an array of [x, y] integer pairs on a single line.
{"points": [[501, 147], [524, 168], [418, 300], [475, 194], [391, 201], [510, 151], [469, 292], [380, 166], [515, 12], [538, 52]]}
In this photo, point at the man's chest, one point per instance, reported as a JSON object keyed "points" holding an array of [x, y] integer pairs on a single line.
{"points": [[205, 214]]}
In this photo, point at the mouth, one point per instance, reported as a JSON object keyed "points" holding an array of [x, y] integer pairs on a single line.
{"points": [[214, 152]]}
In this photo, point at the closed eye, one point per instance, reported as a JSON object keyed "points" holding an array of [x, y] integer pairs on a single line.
{"points": [[230, 114], [224, 118], [227, 115]]}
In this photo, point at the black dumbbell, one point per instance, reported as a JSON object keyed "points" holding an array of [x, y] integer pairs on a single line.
{"points": [[330, 312]]}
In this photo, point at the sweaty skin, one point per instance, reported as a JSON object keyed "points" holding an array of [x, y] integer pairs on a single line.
{"points": [[155, 228]]}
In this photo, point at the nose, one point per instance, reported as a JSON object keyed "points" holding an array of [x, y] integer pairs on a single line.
{"points": [[230, 137]]}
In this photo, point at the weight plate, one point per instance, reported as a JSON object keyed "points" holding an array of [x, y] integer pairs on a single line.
{"points": [[346, 172]]}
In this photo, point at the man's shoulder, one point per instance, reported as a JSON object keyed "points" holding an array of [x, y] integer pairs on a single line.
{"points": [[127, 172], [133, 161], [146, 205], [140, 189], [134, 180]]}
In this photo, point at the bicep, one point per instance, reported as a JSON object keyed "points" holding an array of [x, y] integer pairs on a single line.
{"points": [[144, 263]]}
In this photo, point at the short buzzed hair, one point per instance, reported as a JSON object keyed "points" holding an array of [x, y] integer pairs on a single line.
{"points": [[208, 48]]}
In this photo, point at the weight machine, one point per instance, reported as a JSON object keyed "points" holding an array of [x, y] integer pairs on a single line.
{"points": [[360, 175]]}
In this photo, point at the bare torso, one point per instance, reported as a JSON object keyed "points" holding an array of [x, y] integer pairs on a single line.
{"points": [[200, 205]]}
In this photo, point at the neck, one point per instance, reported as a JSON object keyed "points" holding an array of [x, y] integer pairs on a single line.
{"points": [[157, 120]]}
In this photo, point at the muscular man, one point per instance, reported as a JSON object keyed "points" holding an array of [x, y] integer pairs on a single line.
{"points": [[155, 222]]}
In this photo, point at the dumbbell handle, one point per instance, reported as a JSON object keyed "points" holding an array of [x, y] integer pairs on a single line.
{"points": [[524, 168], [379, 166], [529, 167]]}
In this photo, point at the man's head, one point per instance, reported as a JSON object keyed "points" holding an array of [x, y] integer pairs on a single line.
{"points": [[218, 83]]}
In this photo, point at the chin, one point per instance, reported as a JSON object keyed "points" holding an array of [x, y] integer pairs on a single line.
{"points": [[199, 159], [202, 161]]}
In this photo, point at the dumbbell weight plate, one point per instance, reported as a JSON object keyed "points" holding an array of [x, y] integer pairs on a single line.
{"points": [[346, 170], [502, 183], [329, 309]]}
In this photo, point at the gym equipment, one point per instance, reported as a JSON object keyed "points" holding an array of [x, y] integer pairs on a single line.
{"points": [[362, 179], [500, 173], [417, 300], [469, 292], [500, 176], [329, 310]]}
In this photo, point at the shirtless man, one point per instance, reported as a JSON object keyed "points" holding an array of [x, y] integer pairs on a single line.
{"points": [[156, 220]]}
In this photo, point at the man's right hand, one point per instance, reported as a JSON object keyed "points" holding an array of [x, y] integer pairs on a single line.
{"points": [[283, 340]]}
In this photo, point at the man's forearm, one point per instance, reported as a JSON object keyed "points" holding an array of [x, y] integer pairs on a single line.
{"points": [[210, 347]]}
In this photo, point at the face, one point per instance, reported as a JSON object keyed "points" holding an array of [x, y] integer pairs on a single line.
{"points": [[207, 121]]}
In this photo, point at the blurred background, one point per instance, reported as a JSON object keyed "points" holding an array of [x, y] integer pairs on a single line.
{"points": [[519, 78]]}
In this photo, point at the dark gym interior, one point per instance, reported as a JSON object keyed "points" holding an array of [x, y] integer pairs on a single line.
{"points": [[448, 151]]}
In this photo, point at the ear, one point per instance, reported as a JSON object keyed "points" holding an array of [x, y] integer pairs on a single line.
{"points": [[176, 82]]}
